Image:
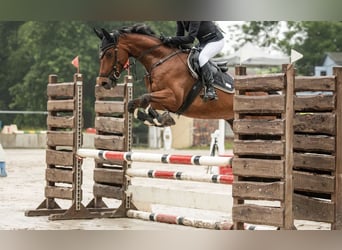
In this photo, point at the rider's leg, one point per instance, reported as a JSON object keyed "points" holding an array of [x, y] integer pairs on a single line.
{"points": [[208, 80], [209, 51]]}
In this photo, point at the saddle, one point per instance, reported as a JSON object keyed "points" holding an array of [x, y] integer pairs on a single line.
{"points": [[222, 79]]}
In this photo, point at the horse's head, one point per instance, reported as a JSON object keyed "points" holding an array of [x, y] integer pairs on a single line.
{"points": [[112, 59]]}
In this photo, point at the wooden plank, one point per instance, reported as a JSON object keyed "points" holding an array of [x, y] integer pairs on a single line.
{"points": [[107, 191], [323, 123], [314, 161], [59, 175], [337, 197], [258, 168], [314, 143], [315, 83], [260, 82], [307, 208], [258, 147], [110, 124], [60, 138], [59, 192], [109, 142], [314, 103], [259, 104], [274, 191], [60, 122], [255, 126], [111, 176], [61, 105], [60, 90], [254, 214], [101, 92], [109, 107], [105, 163], [317, 183], [58, 157]]}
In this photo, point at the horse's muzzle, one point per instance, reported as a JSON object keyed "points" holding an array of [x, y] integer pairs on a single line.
{"points": [[105, 82]]}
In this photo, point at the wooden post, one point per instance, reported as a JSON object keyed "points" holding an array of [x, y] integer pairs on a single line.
{"points": [[288, 204], [240, 71], [338, 174]]}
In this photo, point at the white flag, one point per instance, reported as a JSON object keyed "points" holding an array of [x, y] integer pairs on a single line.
{"points": [[295, 56]]}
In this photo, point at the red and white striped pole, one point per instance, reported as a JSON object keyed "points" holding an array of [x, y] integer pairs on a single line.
{"points": [[175, 175], [153, 157], [179, 220]]}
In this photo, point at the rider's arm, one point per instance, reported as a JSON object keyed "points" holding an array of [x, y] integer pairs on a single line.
{"points": [[181, 38]]}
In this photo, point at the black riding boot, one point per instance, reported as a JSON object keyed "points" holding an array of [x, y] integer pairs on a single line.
{"points": [[208, 80]]}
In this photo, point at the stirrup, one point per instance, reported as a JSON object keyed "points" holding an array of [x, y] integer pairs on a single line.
{"points": [[209, 94]]}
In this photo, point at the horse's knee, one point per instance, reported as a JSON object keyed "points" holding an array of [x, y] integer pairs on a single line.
{"points": [[145, 100], [131, 106]]}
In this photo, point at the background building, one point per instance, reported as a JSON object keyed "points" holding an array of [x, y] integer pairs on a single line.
{"points": [[330, 60]]}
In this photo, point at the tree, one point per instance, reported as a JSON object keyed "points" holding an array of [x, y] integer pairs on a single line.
{"points": [[312, 39], [8, 43], [32, 50], [47, 48]]}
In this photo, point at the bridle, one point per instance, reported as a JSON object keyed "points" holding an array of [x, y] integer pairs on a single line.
{"points": [[115, 73], [110, 80]]}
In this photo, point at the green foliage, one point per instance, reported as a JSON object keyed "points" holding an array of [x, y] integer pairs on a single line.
{"points": [[32, 50]]}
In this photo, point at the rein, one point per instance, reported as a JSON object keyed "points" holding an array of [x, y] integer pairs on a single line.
{"points": [[161, 61], [145, 52]]}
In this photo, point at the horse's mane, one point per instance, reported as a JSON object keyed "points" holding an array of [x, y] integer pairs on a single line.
{"points": [[139, 28]]}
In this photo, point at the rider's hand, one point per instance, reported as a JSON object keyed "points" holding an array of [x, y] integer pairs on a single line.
{"points": [[166, 40]]}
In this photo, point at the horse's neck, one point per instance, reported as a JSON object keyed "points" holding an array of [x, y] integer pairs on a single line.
{"points": [[146, 49]]}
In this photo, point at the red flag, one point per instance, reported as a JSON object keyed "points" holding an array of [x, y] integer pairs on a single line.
{"points": [[126, 66], [75, 62]]}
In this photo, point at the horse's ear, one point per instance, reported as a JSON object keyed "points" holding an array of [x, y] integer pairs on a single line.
{"points": [[98, 33], [107, 35]]}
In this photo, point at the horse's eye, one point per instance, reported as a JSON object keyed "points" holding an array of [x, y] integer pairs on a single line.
{"points": [[109, 54]]}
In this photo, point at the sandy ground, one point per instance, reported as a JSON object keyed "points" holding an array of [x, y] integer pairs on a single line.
{"points": [[23, 189]]}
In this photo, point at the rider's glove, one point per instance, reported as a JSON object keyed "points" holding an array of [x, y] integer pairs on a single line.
{"points": [[166, 40]]}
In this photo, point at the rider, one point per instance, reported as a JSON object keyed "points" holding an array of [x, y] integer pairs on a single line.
{"points": [[211, 40]]}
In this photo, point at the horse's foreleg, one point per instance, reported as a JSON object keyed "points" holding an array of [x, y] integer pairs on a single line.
{"points": [[163, 99], [151, 116], [160, 120], [140, 102], [145, 118]]}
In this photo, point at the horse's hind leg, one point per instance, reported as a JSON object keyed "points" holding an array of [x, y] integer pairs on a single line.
{"points": [[230, 122]]}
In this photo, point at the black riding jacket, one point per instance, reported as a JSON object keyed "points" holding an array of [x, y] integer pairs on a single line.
{"points": [[204, 31]]}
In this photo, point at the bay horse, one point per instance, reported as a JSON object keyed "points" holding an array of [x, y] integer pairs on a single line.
{"points": [[168, 78]]}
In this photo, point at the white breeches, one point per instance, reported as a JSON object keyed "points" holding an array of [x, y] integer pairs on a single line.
{"points": [[209, 51]]}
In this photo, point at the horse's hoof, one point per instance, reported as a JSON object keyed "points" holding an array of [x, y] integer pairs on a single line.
{"points": [[167, 120], [130, 107]]}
